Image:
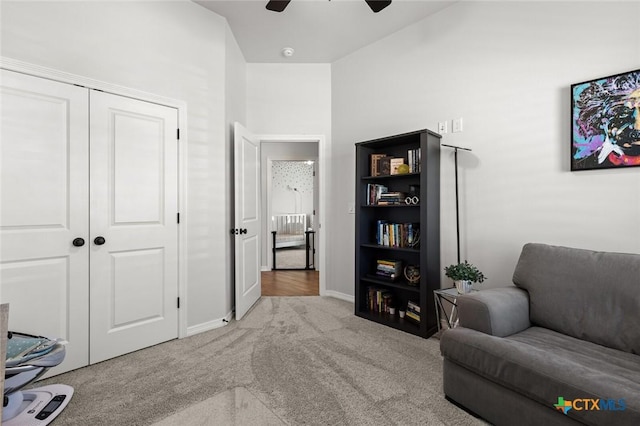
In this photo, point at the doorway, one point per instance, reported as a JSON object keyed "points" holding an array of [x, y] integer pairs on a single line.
{"points": [[292, 203], [292, 258]]}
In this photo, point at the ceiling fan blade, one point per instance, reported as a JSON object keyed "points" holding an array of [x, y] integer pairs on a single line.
{"points": [[277, 5], [378, 5]]}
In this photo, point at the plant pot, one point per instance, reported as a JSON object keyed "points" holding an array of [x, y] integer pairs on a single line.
{"points": [[463, 286]]}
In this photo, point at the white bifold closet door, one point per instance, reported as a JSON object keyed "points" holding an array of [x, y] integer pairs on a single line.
{"points": [[44, 196], [88, 224], [133, 192]]}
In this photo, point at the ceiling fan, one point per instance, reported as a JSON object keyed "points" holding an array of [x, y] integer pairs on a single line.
{"points": [[280, 5]]}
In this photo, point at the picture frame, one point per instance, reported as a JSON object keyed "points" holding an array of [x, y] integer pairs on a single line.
{"points": [[605, 122]]}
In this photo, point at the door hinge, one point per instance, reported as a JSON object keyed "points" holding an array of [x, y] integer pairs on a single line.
{"points": [[178, 303], [178, 133], [178, 214]]}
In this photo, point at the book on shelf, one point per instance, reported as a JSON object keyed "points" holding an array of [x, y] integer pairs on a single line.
{"points": [[389, 269], [394, 164], [413, 159], [379, 300], [401, 235], [413, 306], [392, 198], [384, 166], [413, 311], [375, 159], [412, 316]]}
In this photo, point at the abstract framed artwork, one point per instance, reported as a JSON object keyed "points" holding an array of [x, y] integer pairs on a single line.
{"points": [[605, 122]]}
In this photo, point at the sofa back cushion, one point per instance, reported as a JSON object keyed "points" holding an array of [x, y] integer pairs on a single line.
{"points": [[590, 295]]}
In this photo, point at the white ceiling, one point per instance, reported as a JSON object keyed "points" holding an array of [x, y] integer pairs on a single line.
{"points": [[318, 30]]}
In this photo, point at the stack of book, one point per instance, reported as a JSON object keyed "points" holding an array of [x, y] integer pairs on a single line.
{"points": [[413, 311], [379, 300], [389, 269], [413, 156], [391, 198], [402, 235]]}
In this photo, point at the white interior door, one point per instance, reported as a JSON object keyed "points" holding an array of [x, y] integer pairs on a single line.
{"points": [[44, 202], [247, 219], [134, 231]]}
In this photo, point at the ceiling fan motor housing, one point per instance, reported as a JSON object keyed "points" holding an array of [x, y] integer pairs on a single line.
{"points": [[280, 5]]}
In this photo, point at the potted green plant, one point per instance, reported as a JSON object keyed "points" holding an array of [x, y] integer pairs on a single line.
{"points": [[464, 275]]}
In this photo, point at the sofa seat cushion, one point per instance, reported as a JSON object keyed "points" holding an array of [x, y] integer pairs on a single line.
{"points": [[544, 365]]}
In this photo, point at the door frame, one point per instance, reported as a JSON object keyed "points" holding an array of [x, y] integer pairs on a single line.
{"points": [[323, 183], [181, 106]]}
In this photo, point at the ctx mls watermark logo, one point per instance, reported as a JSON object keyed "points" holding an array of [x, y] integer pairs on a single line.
{"points": [[590, 404]]}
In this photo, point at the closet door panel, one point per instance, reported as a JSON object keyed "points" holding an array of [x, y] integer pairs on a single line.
{"points": [[134, 274], [43, 208], [138, 153]]}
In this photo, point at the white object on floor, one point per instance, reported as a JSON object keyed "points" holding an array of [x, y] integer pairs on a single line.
{"points": [[36, 407]]}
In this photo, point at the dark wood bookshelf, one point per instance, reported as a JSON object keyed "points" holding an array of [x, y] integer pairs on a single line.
{"points": [[425, 215]]}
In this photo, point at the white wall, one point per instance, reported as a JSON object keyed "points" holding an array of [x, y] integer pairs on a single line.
{"points": [[236, 94], [506, 68], [289, 99], [173, 49]]}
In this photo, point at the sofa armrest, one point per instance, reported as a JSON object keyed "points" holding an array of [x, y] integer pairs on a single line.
{"points": [[497, 311]]}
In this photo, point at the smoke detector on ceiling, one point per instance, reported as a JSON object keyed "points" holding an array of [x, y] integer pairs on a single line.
{"points": [[288, 52]]}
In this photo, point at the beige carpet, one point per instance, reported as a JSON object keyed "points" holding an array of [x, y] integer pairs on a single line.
{"points": [[291, 361]]}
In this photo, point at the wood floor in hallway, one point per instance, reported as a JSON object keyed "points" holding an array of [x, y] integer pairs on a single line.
{"points": [[290, 283]]}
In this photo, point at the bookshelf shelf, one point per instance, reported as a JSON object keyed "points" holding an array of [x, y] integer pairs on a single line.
{"points": [[373, 293], [381, 247], [393, 321], [392, 284], [384, 177]]}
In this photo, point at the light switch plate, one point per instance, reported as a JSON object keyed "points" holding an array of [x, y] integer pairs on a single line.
{"points": [[457, 125]]}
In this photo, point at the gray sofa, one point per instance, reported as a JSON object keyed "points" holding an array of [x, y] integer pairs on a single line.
{"points": [[570, 328]]}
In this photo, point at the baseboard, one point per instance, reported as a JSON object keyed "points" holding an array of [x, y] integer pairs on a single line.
{"points": [[209, 325], [341, 296]]}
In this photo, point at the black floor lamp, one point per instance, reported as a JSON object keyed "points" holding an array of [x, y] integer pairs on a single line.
{"points": [[455, 155]]}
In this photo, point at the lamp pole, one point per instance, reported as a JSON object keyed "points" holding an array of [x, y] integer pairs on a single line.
{"points": [[455, 160]]}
